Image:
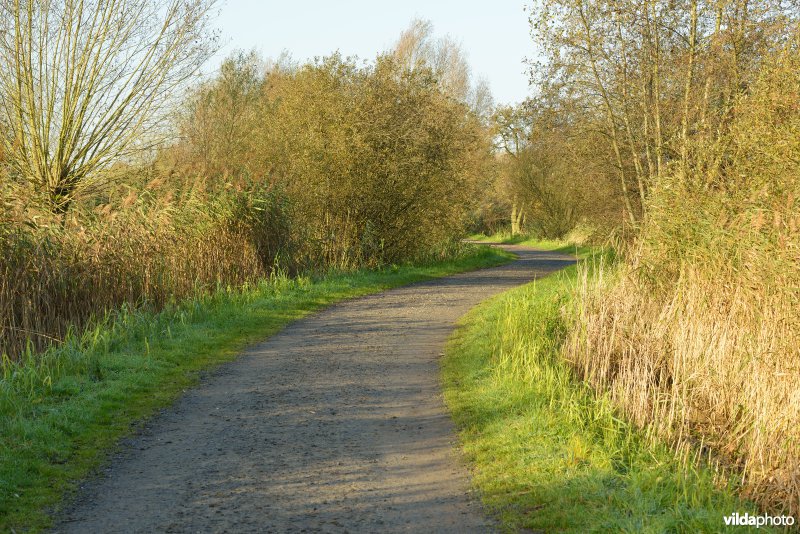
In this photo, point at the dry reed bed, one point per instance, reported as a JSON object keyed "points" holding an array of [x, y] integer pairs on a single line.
{"points": [[697, 337], [55, 279], [711, 364], [160, 244]]}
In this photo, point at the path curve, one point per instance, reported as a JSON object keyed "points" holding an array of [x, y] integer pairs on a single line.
{"points": [[334, 424]]}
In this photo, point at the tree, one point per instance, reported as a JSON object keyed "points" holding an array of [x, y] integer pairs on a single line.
{"points": [[221, 117], [85, 84], [544, 175], [418, 49], [653, 76], [512, 127]]}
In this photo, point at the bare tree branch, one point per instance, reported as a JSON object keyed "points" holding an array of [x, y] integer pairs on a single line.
{"points": [[86, 83]]}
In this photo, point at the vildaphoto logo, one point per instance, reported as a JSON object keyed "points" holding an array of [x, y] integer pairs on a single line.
{"points": [[746, 520]]}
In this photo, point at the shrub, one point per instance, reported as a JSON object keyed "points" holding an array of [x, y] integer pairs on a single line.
{"points": [[698, 338]]}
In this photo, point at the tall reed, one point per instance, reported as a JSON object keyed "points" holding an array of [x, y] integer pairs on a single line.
{"points": [[146, 251], [697, 336]]}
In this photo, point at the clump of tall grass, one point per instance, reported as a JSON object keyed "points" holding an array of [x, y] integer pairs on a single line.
{"points": [[697, 336], [553, 453], [148, 248]]}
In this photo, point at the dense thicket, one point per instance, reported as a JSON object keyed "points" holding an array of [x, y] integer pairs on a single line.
{"points": [[625, 94], [333, 164], [379, 162]]}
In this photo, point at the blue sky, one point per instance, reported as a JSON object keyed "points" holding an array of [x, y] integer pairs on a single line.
{"points": [[494, 34]]}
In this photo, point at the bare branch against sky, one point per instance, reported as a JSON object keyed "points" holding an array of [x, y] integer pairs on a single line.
{"points": [[494, 35]]}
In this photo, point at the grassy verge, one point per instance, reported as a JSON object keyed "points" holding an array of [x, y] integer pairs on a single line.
{"points": [[552, 245], [548, 453], [63, 411]]}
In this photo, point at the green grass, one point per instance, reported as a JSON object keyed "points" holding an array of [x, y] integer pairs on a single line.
{"points": [[551, 245], [62, 412], [548, 453]]}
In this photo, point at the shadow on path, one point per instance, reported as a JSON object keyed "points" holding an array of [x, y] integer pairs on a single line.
{"points": [[334, 424]]}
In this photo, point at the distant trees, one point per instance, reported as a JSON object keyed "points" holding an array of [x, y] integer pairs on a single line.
{"points": [[220, 117], [544, 173], [627, 92], [87, 83], [653, 77], [418, 48], [513, 131]]}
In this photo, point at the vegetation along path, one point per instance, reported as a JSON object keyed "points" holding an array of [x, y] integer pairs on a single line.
{"points": [[336, 423]]}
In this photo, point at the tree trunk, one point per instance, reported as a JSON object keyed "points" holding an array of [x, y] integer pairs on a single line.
{"points": [[514, 219], [687, 90]]}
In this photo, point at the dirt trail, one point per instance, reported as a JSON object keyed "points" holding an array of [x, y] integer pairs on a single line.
{"points": [[335, 424]]}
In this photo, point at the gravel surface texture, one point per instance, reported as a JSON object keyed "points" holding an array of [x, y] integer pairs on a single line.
{"points": [[335, 424]]}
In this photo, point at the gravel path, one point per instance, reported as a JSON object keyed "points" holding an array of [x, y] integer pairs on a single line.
{"points": [[335, 424]]}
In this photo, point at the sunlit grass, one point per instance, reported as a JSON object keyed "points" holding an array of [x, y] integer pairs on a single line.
{"points": [[62, 411], [548, 453], [550, 245]]}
